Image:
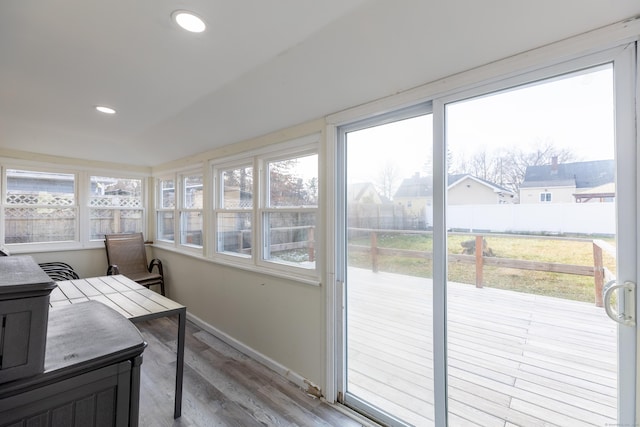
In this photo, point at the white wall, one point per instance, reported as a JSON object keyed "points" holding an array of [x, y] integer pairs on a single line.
{"points": [[531, 195], [271, 318], [587, 218], [470, 191]]}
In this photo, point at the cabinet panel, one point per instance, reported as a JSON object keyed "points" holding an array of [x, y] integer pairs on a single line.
{"points": [[87, 400]]}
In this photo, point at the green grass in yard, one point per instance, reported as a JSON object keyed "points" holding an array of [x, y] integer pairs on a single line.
{"points": [[568, 286]]}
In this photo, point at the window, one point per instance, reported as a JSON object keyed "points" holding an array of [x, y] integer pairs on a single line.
{"points": [[545, 197], [40, 207], [116, 206], [165, 213], [265, 209], [191, 210], [290, 211], [234, 211]]}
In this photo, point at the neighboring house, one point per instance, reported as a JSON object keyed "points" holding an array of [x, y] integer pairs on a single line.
{"points": [[465, 189], [416, 193], [364, 192], [578, 182]]}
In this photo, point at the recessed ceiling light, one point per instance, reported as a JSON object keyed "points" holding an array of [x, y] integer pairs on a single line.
{"points": [[189, 21], [105, 110]]}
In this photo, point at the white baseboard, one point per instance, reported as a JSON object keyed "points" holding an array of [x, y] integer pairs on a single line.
{"points": [[299, 380]]}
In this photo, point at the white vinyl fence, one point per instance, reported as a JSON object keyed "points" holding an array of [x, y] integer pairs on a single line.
{"points": [[583, 218]]}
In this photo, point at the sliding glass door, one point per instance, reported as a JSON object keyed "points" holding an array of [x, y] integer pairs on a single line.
{"points": [[487, 253], [387, 231]]}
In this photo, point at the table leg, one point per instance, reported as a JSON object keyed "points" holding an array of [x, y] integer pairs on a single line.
{"points": [[182, 321]]}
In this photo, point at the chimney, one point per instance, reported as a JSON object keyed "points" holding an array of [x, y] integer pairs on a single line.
{"points": [[554, 164]]}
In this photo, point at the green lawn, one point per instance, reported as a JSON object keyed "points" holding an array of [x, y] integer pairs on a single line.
{"points": [[580, 288]]}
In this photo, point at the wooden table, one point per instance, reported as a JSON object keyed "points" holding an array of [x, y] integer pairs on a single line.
{"points": [[133, 301]]}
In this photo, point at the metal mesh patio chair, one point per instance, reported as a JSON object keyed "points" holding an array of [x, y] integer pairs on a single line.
{"points": [[126, 255], [59, 271]]}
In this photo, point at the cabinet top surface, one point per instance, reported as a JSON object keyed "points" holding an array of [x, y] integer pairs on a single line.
{"points": [[22, 274], [81, 333]]}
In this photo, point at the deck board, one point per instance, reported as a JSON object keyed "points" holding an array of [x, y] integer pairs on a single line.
{"points": [[513, 358]]}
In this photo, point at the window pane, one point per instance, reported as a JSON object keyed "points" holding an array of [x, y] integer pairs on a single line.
{"points": [[116, 206], [167, 194], [191, 228], [109, 221], [47, 213], [234, 233], [165, 226], [291, 238], [238, 188], [116, 192], [294, 182], [33, 225], [193, 192], [40, 188]]}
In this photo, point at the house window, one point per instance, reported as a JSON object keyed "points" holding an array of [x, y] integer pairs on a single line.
{"points": [[116, 206], [545, 197], [290, 212], [40, 207], [165, 214], [191, 209], [234, 210]]}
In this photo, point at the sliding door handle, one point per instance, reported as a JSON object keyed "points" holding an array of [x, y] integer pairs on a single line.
{"points": [[625, 314]]}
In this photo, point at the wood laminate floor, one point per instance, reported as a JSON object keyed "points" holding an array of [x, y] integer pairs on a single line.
{"points": [[222, 387]]}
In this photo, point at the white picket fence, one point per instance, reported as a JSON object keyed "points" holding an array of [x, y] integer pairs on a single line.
{"points": [[582, 218]]}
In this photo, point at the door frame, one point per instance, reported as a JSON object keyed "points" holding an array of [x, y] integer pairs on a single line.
{"points": [[623, 58], [500, 74], [340, 214]]}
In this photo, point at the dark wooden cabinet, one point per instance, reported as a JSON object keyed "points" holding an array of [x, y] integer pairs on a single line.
{"points": [[91, 374], [24, 307]]}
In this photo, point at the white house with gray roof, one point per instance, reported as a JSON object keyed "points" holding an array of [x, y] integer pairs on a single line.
{"points": [[578, 182]]}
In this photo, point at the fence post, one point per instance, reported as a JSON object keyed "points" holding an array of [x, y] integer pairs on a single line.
{"points": [[479, 260], [374, 251], [598, 273], [311, 243]]}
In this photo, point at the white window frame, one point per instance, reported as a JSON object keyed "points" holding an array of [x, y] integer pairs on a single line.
{"points": [[298, 147], [161, 209], [220, 208], [77, 203], [264, 209], [545, 197], [181, 208], [82, 193], [86, 225]]}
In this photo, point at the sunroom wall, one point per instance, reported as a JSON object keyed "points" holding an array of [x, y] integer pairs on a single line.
{"points": [[278, 320]]}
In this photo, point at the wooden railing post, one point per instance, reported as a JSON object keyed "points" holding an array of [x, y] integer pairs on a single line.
{"points": [[598, 273], [479, 260], [374, 251], [311, 244]]}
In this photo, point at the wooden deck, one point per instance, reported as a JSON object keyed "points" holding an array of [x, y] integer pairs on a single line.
{"points": [[514, 359]]}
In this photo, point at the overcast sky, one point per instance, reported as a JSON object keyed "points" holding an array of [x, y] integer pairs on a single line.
{"points": [[575, 113]]}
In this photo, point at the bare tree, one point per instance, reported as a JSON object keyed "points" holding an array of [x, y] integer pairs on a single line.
{"points": [[507, 167], [387, 179], [516, 161]]}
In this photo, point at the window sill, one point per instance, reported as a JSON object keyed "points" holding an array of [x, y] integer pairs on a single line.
{"points": [[305, 279]]}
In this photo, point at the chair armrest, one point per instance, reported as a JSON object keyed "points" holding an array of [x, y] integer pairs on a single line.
{"points": [[112, 270], [157, 263]]}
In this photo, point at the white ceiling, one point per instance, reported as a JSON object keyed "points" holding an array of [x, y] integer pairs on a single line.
{"points": [[262, 65]]}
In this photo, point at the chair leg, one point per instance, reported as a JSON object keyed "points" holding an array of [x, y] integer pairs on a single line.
{"points": [[162, 287]]}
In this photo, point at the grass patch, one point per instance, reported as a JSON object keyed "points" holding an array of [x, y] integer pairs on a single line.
{"points": [[564, 251]]}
